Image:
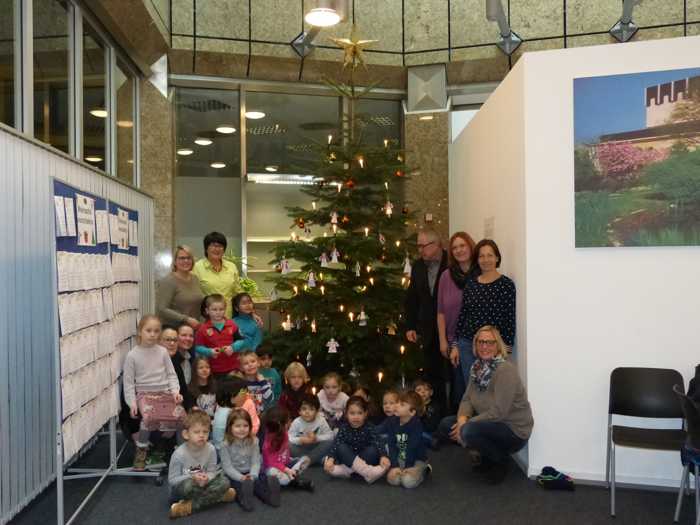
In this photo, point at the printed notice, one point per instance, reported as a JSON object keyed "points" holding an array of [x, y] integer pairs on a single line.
{"points": [[86, 221], [60, 208], [123, 229], [70, 216], [133, 233], [102, 223]]}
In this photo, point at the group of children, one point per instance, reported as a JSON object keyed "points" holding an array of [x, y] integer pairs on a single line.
{"points": [[244, 435]]}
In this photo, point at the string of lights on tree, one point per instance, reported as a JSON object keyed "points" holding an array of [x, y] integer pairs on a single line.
{"points": [[341, 292]]}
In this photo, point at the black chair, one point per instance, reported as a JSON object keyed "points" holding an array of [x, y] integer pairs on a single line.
{"points": [[641, 392], [690, 452]]}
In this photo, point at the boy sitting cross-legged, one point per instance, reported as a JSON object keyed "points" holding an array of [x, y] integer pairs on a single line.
{"points": [[194, 477], [409, 461]]}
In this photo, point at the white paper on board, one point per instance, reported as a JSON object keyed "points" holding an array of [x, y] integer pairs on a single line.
{"points": [[102, 226], [70, 216], [133, 233], [60, 209], [123, 229], [86, 220], [113, 229]]}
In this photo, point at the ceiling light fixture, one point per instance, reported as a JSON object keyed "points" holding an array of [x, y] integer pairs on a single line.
{"points": [[426, 117], [254, 115], [94, 159], [99, 113], [202, 141], [226, 129], [322, 16], [185, 152], [271, 169], [217, 165]]}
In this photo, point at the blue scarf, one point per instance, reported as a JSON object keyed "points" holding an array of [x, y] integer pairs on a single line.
{"points": [[482, 372]]}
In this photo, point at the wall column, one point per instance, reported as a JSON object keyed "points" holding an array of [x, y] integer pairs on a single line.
{"points": [[427, 159]]}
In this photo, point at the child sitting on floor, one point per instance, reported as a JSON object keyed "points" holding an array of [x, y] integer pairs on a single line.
{"points": [[332, 400], [432, 412], [231, 394], [357, 447], [193, 477], [406, 445], [297, 379], [276, 454], [241, 461], [259, 388], [310, 434]]}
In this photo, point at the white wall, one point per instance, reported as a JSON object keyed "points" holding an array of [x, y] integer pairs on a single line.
{"points": [[591, 310], [581, 312]]}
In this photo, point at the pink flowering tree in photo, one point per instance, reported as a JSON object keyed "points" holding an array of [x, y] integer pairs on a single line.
{"points": [[623, 161]]}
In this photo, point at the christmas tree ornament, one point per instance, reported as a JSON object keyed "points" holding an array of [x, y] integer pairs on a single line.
{"points": [[308, 359], [287, 325], [397, 243], [351, 316], [311, 279], [353, 48], [325, 234], [388, 208], [350, 184], [354, 373], [323, 290], [391, 329], [295, 288], [330, 139], [294, 236], [368, 268], [341, 308], [403, 281], [382, 239], [320, 276], [332, 346], [361, 162], [371, 281], [407, 266], [324, 260], [402, 349], [332, 156], [274, 295], [301, 223], [335, 228], [399, 173], [313, 205], [380, 376], [334, 217], [284, 267], [345, 219], [334, 255], [386, 186], [357, 269], [386, 143], [404, 210], [362, 318], [313, 326], [366, 231], [298, 324]]}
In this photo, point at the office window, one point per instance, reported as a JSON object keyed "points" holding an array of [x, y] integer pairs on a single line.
{"points": [[95, 111], [7, 63], [125, 93], [51, 61]]}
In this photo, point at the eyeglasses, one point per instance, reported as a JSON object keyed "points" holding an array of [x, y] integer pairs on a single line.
{"points": [[184, 258], [170, 339], [421, 246], [486, 342]]}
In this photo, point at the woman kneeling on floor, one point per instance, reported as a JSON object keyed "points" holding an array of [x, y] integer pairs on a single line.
{"points": [[494, 419]]}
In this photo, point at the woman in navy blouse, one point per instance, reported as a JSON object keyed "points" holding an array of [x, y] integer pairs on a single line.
{"points": [[487, 300]]}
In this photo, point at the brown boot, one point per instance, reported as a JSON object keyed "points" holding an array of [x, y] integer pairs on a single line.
{"points": [[140, 458], [228, 496], [181, 509]]}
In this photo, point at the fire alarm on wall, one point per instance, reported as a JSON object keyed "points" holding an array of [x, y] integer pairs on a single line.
{"points": [[428, 217]]}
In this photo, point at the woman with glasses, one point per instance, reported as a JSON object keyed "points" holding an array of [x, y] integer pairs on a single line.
{"points": [[494, 419], [488, 299], [179, 296]]}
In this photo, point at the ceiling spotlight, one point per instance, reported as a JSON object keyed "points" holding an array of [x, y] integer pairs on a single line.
{"points": [[99, 113], [624, 29], [322, 17], [426, 117], [217, 165], [271, 169], [94, 159], [508, 41], [185, 151], [202, 141], [254, 115], [226, 129]]}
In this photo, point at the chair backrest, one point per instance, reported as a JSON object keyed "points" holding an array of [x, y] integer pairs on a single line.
{"points": [[644, 392], [691, 411]]}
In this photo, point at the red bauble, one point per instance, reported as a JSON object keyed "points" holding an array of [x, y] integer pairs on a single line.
{"points": [[345, 219], [350, 183], [399, 173]]}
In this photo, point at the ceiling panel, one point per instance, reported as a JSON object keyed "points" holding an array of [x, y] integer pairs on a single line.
{"points": [[425, 23], [222, 18], [276, 20], [537, 18]]}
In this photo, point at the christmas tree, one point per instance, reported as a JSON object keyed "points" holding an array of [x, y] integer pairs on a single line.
{"points": [[342, 307]]}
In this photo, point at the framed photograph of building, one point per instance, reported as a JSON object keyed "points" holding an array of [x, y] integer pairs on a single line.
{"points": [[637, 159]]}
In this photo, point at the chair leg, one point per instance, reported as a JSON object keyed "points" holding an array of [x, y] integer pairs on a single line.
{"points": [[697, 496], [607, 454], [679, 501], [612, 480]]}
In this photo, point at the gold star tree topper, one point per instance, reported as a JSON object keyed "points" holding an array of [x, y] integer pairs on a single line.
{"points": [[353, 48]]}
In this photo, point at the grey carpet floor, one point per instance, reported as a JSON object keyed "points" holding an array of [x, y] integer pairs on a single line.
{"points": [[453, 495]]}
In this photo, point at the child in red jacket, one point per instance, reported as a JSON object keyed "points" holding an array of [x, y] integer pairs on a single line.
{"points": [[214, 338]]}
